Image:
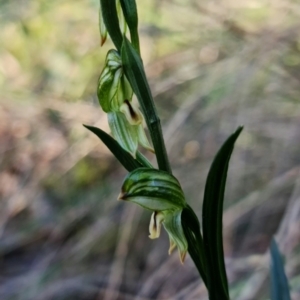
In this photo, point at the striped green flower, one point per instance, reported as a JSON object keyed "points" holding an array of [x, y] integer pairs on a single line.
{"points": [[115, 97], [161, 193]]}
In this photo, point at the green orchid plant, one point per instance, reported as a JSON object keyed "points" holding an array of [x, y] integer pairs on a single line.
{"points": [[156, 189]]}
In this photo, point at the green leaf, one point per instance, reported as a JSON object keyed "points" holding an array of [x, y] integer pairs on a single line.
{"points": [[153, 189], [134, 70], [212, 220], [128, 162], [191, 228], [111, 21], [131, 17], [279, 282]]}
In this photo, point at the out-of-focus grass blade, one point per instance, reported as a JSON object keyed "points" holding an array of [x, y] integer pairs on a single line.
{"points": [[191, 228], [111, 21], [212, 215], [279, 283], [128, 162]]}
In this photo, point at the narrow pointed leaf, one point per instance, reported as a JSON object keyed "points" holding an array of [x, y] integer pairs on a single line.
{"points": [[131, 17], [212, 220], [279, 283], [111, 21], [153, 189], [128, 162], [134, 70]]}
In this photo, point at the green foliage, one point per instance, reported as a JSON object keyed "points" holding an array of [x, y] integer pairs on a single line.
{"points": [[135, 73], [191, 228], [131, 17], [279, 282], [128, 162], [158, 190], [212, 220]]}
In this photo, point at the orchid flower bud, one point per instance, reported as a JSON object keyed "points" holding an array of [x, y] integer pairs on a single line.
{"points": [[160, 192], [135, 117], [123, 132], [127, 135], [113, 87]]}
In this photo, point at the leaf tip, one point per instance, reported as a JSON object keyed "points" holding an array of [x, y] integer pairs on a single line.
{"points": [[239, 129], [103, 40]]}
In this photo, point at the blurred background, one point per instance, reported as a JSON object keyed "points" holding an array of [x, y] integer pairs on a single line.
{"points": [[212, 66]]}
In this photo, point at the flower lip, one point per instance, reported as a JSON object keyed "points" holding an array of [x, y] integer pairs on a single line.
{"points": [[131, 110], [155, 224], [132, 113]]}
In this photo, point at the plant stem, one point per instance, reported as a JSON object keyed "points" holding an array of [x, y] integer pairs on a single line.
{"points": [[135, 73]]}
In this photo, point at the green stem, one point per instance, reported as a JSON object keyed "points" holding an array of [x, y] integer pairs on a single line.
{"points": [[159, 143], [135, 40], [135, 73]]}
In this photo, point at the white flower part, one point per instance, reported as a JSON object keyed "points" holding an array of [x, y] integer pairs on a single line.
{"points": [[155, 224], [132, 113]]}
